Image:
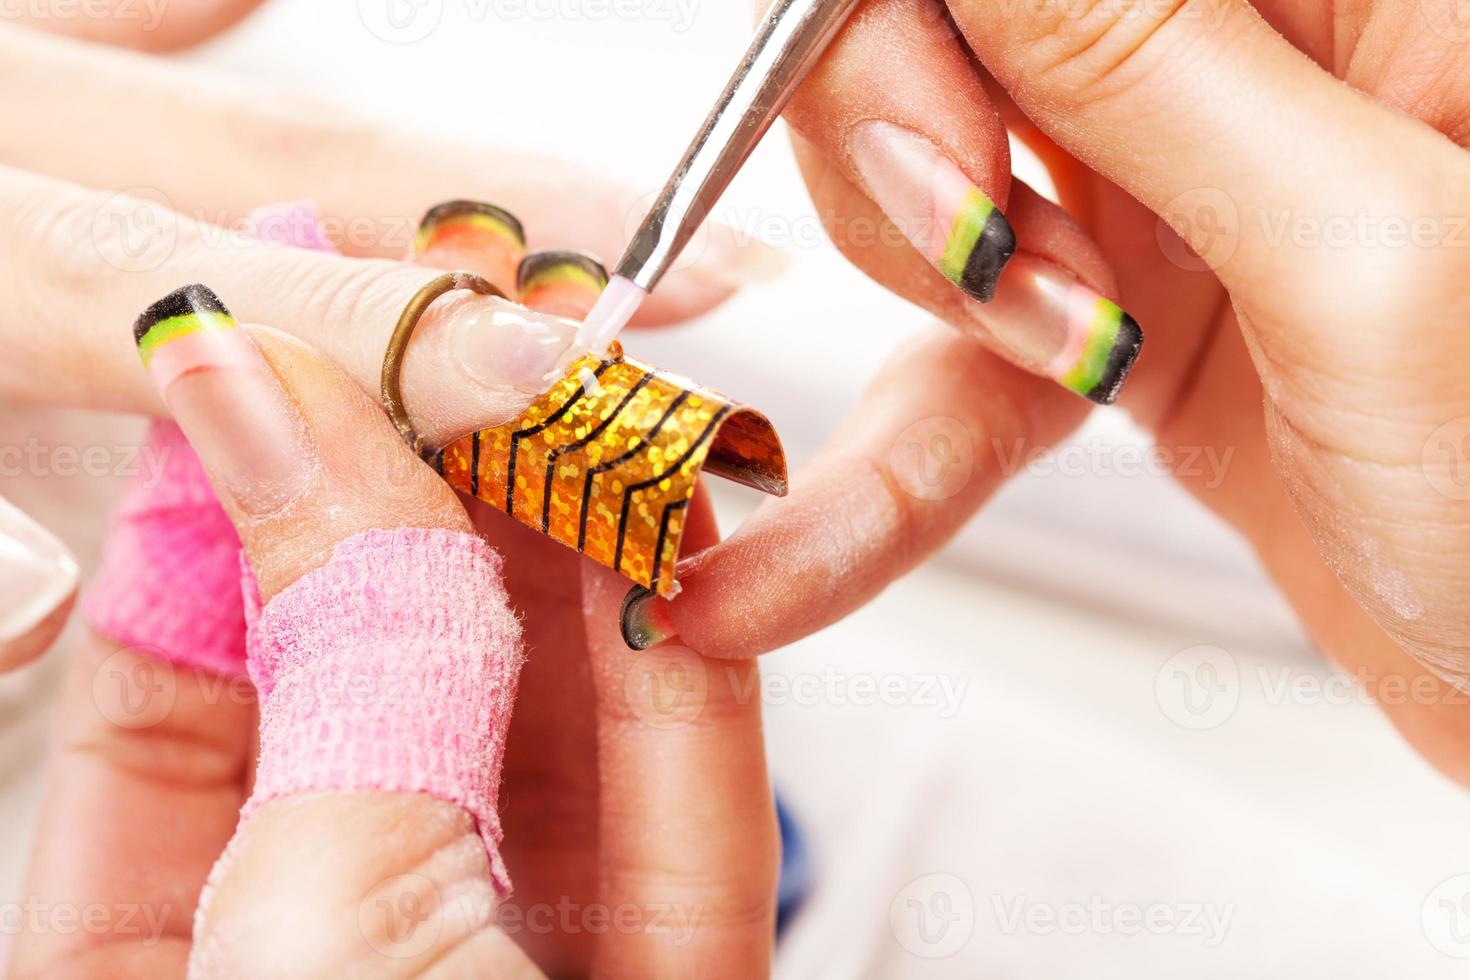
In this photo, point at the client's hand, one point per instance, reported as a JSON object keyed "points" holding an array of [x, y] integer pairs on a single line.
{"points": [[107, 212], [329, 874]]}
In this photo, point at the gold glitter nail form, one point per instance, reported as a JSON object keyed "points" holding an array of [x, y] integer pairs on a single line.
{"points": [[606, 462]]}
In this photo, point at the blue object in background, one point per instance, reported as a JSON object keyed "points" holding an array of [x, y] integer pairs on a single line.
{"points": [[796, 867]]}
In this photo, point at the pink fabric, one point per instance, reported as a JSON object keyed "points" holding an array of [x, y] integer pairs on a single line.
{"points": [[294, 225], [392, 667], [170, 574]]}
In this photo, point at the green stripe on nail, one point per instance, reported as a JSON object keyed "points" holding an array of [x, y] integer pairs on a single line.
{"points": [[564, 275], [175, 327], [1092, 364], [964, 233]]}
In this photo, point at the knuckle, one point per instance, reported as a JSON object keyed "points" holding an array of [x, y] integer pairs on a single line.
{"points": [[1097, 50], [902, 529], [58, 244]]}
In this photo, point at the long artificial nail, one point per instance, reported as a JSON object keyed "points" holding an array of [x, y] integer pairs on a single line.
{"points": [[37, 573], [226, 398], [562, 282], [501, 345], [645, 620], [940, 210], [1060, 328]]}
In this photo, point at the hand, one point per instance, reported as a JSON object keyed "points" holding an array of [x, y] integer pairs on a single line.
{"points": [[1157, 117], [305, 881], [80, 259]]}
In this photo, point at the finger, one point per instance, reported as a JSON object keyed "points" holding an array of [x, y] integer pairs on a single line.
{"points": [[303, 460], [1120, 88], [909, 177], [143, 790], [927, 147], [84, 267], [550, 813], [942, 427], [38, 582], [251, 150], [156, 717], [147, 26], [680, 749]]}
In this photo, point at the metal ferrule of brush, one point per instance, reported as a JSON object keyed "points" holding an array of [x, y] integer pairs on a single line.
{"points": [[791, 38]]}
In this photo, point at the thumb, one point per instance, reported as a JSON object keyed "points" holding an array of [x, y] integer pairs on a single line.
{"points": [[362, 852]]}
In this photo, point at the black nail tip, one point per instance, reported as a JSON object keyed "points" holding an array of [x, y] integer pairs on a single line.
{"points": [[635, 638], [454, 209], [193, 298], [993, 249], [538, 262], [1120, 361]]}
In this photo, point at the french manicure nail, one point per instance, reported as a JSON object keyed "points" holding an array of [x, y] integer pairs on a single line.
{"points": [[562, 282], [37, 573], [645, 620], [1060, 328], [226, 398], [939, 209]]}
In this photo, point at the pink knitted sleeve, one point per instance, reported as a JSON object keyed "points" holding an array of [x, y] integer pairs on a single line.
{"points": [[170, 574], [392, 667]]}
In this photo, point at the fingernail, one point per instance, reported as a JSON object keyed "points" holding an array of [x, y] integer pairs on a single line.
{"points": [[226, 398], [562, 282], [1060, 328], [500, 345], [940, 210], [470, 227], [645, 620], [37, 573]]}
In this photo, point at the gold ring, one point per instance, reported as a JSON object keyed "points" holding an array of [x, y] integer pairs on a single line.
{"points": [[403, 333]]}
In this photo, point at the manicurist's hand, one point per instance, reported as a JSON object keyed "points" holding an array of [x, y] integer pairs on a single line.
{"points": [[1315, 160]]}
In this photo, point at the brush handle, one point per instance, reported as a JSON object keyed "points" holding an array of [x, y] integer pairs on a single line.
{"points": [[791, 38]]}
